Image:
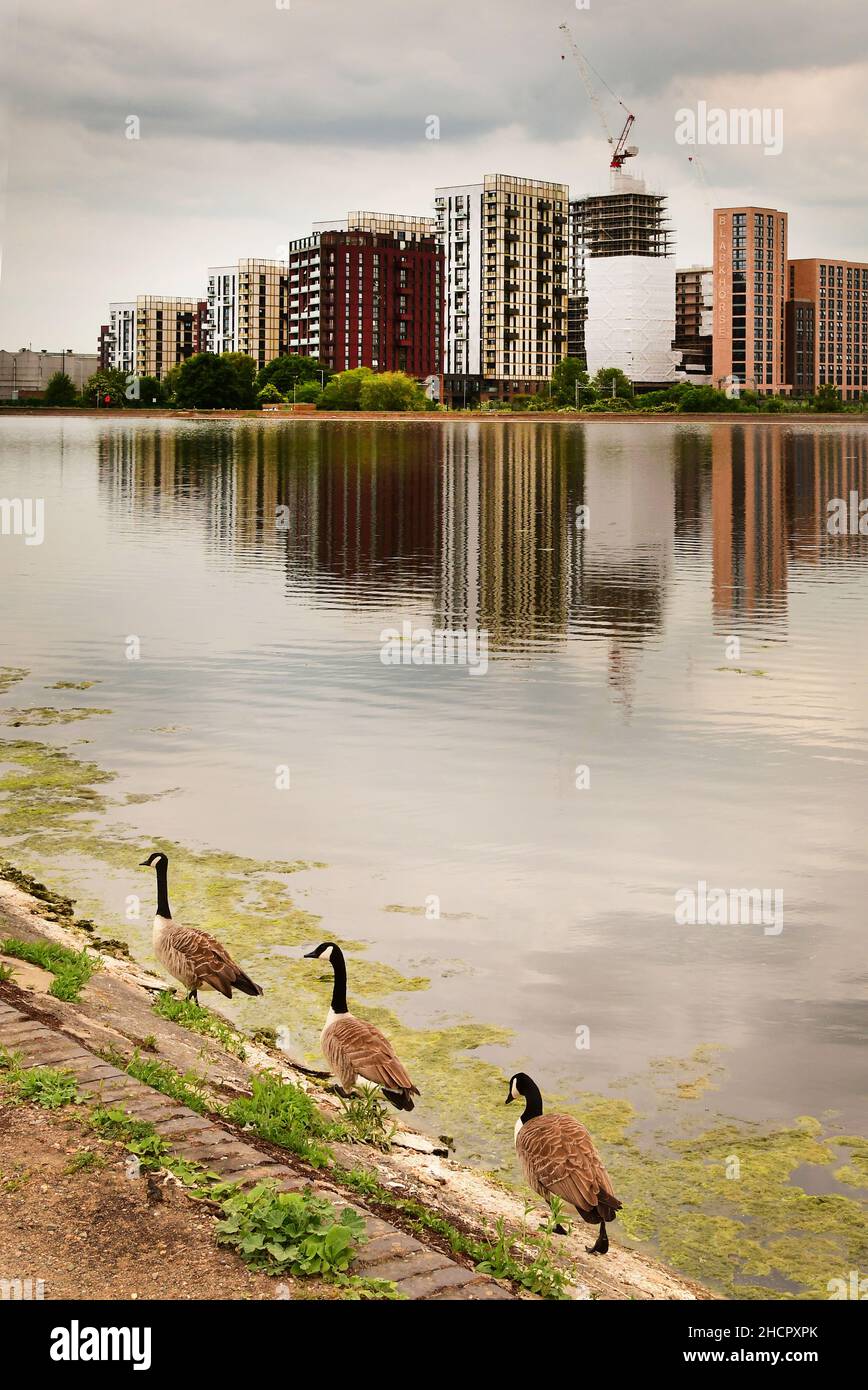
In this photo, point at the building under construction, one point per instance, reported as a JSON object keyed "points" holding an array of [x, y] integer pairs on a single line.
{"points": [[622, 281], [694, 313]]}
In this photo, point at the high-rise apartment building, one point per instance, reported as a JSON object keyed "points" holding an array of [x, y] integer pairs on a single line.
{"points": [[120, 344], [149, 335], [359, 296], [694, 310], [505, 243], [827, 326], [622, 282], [247, 305], [750, 288], [166, 333]]}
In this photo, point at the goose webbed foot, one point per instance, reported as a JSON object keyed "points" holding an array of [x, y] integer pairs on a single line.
{"points": [[193, 994], [559, 1230], [601, 1245]]}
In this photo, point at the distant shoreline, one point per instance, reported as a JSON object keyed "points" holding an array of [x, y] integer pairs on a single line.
{"points": [[437, 417]]}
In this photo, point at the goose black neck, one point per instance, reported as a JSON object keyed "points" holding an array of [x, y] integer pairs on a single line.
{"points": [[533, 1105], [339, 990], [163, 909]]}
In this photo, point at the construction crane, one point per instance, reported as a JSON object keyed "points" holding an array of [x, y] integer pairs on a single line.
{"points": [[620, 149]]}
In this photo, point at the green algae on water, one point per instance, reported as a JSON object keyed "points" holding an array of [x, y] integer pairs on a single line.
{"points": [[410, 911], [41, 715], [854, 1173], [46, 788], [722, 1208], [10, 675]]}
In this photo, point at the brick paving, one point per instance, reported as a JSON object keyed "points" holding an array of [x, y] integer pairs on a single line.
{"points": [[418, 1271]]}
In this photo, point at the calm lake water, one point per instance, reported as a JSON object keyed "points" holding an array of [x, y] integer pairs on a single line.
{"points": [[608, 648]]}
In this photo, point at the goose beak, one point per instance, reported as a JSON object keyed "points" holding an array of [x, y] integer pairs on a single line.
{"points": [[310, 955], [144, 864], [509, 1099]]}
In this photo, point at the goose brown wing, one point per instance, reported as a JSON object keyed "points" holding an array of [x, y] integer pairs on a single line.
{"points": [[559, 1158], [363, 1049], [210, 961]]}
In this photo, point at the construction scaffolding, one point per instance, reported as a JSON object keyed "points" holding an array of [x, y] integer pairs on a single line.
{"points": [[628, 221], [621, 223]]}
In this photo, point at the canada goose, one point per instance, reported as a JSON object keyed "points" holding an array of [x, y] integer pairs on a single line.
{"points": [[194, 957], [558, 1157], [357, 1052]]}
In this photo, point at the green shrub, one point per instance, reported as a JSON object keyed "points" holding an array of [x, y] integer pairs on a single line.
{"points": [[60, 390], [308, 393], [608, 405], [292, 370], [269, 395], [343, 391], [367, 1120], [391, 391], [290, 1232]]}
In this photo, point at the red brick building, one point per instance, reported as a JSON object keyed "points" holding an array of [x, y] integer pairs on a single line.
{"points": [[367, 298], [103, 346], [828, 326], [750, 290]]}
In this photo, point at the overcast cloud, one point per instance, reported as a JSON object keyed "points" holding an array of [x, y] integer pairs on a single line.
{"points": [[256, 121]]}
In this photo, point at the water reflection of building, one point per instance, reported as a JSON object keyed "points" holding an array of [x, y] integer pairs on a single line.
{"points": [[160, 473], [826, 465], [770, 496], [748, 505], [475, 523], [503, 564], [377, 502], [628, 547]]}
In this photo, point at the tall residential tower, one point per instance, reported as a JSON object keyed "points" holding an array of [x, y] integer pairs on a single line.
{"points": [[247, 304], [367, 291], [750, 287], [827, 326], [151, 334], [505, 242]]}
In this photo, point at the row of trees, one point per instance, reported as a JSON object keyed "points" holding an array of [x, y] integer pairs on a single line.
{"points": [[230, 381], [611, 390]]}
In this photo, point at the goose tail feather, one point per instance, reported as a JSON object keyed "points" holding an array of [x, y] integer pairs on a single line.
{"points": [[246, 985], [402, 1100]]}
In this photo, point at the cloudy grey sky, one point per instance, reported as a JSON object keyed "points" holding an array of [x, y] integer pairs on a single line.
{"points": [[257, 120]]}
